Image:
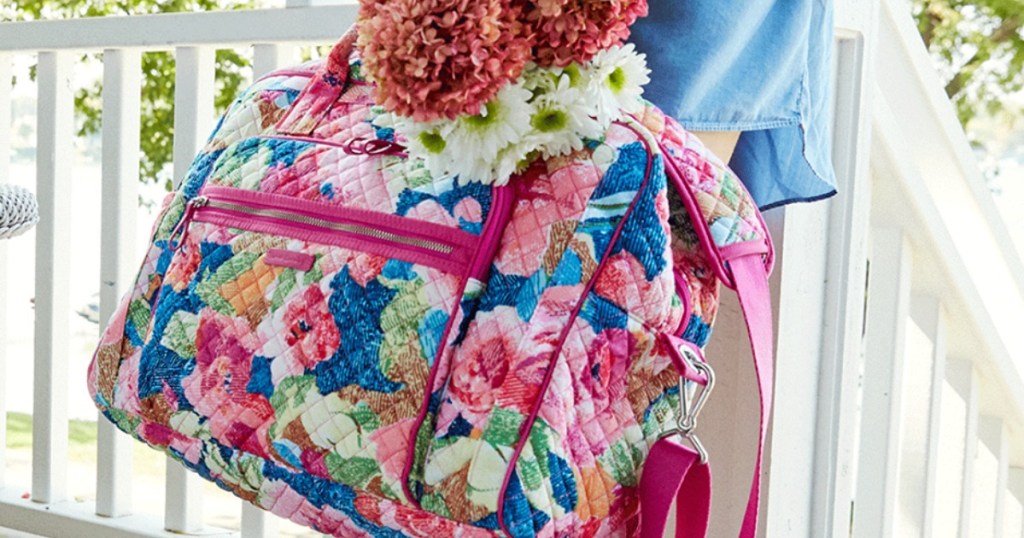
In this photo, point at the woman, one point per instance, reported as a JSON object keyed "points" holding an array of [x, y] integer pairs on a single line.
{"points": [[752, 79]]}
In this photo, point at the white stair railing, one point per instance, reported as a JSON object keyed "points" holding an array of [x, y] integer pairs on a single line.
{"points": [[194, 38], [906, 422]]}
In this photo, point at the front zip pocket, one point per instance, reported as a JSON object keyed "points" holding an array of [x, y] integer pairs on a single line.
{"points": [[420, 242], [304, 334]]}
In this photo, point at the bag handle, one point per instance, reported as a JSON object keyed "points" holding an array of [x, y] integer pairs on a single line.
{"points": [[323, 90], [675, 470]]}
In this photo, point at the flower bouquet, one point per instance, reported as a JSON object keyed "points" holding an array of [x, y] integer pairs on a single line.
{"points": [[480, 88]]}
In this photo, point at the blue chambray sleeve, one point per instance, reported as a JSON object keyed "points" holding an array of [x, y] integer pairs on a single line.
{"points": [[757, 66]]}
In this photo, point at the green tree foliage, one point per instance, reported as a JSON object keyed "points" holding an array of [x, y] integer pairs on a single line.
{"points": [[157, 71], [980, 48]]}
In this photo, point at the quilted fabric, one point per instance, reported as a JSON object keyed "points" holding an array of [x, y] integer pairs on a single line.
{"points": [[478, 361]]}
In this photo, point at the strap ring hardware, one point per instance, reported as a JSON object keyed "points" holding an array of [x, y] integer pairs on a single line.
{"points": [[692, 397]]}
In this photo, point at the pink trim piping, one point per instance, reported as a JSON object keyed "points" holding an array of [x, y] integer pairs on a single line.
{"points": [[497, 219], [700, 223], [421, 417], [524, 430], [287, 73], [501, 207], [683, 291]]}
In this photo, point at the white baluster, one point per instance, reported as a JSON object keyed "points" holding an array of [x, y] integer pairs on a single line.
{"points": [[1013, 516], [968, 387], [958, 391], [989, 478], [50, 397], [257, 523], [267, 58], [830, 480], [888, 309], [193, 116], [121, 109], [918, 358], [193, 105], [930, 318], [5, 176], [801, 235]]}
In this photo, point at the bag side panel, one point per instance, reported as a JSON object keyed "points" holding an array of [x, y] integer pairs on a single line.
{"points": [[613, 392], [567, 215]]}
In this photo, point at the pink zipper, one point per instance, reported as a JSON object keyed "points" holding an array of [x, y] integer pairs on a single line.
{"points": [[426, 243], [352, 146]]}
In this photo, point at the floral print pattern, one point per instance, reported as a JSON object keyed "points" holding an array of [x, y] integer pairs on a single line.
{"points": [[369, 395]]}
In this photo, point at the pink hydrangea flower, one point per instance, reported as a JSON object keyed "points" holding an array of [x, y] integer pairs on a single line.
{"points": [[435, 59], [567, 31]]}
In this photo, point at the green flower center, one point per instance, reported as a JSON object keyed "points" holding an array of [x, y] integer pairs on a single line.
{"points": [[488, 118], [549, 120], [573, 71], [617, 80], [432, 141]]}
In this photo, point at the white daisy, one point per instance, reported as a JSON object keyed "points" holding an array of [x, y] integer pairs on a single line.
{"points": [[561, 120], [616, 79], [512, 160], [429, 142], [502, 121], [539, 80], [543, 80]]}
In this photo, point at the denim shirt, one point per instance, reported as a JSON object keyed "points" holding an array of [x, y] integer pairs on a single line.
{"points": [[762, 67]]}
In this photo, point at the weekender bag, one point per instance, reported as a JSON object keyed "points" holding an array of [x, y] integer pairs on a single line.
{"points": [[331, 332]]}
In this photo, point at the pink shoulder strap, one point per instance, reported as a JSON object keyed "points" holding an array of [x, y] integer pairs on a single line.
{"points": [[674, 471]]}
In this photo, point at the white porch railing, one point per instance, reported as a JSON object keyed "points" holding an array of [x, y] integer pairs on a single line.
{"points": [[900, 389]]}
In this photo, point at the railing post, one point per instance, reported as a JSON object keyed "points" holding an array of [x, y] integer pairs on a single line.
{"points": [[835, 415], [50, 394], [929, 317], [121, 109], [193, 104], [801, 236], [923, 344], [257, 523], [887, 312], [968, 387], [193, 114], [989, 478], [267, 58], [958, 391], [5, 176], [1013, 516]]}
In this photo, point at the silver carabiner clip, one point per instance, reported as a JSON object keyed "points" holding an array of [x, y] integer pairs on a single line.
{"points": [[692, 397]]}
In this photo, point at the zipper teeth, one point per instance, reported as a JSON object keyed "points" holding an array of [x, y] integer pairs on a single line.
{"points": [[367, 231]]}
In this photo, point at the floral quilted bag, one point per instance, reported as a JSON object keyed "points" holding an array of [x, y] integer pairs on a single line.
{"points": [[376, 314]]}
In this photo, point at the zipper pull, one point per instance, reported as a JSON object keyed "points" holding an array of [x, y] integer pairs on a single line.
{"points": [[182, 227]]}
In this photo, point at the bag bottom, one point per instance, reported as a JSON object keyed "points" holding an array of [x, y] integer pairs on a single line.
{"points": [[326, 506]]}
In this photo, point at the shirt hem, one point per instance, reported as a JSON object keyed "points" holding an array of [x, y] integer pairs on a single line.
{"points": [[798, 200]]}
